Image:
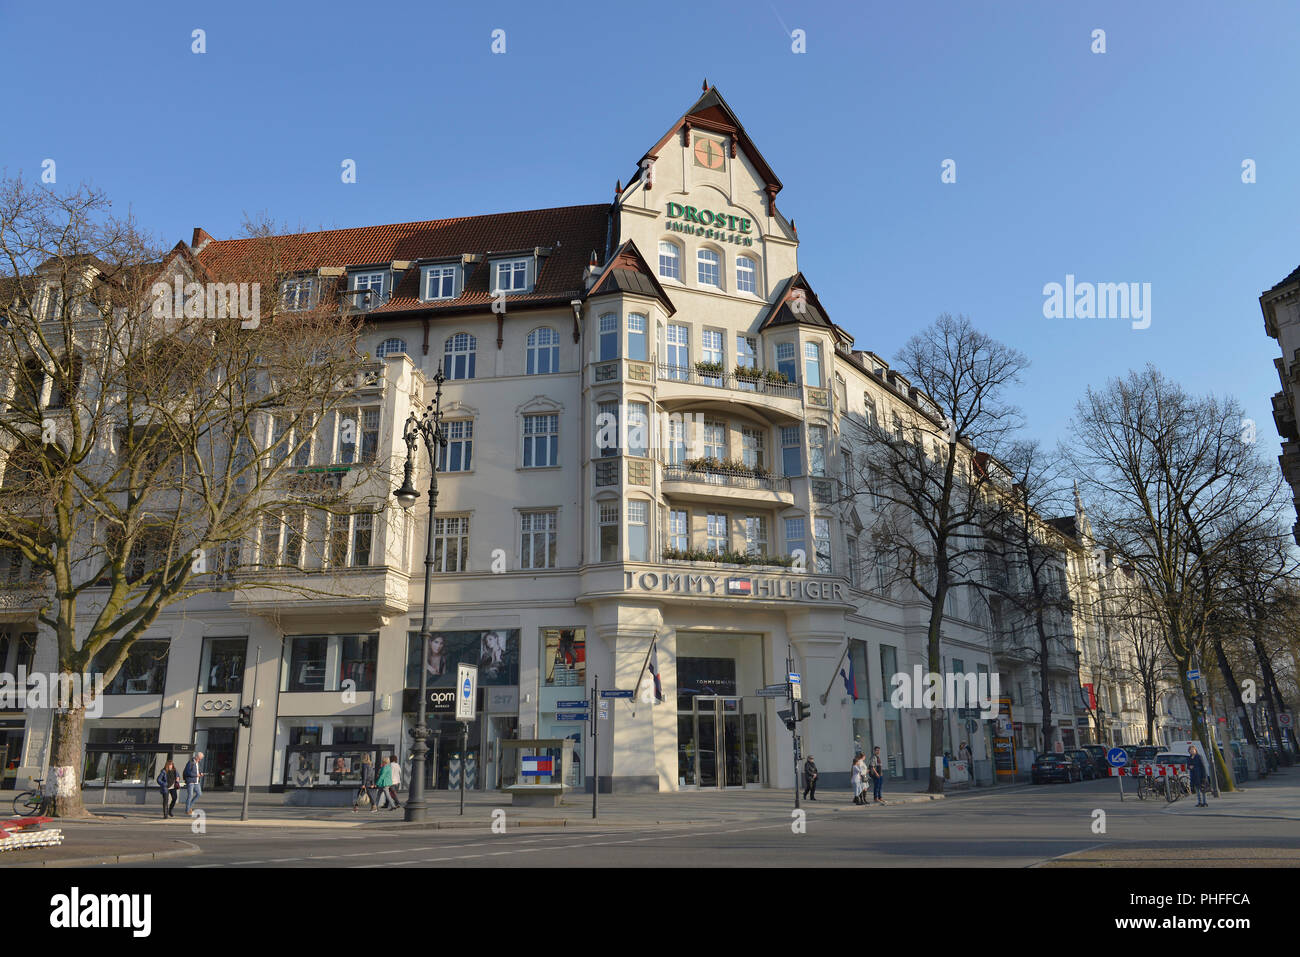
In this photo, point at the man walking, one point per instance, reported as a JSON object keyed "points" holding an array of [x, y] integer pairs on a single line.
{"points": [[810, 779], [875, 771], [1196, 765], [193, 780]]}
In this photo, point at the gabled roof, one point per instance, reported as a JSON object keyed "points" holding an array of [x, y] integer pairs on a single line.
{"points": [[712, 114], [781, 312], [627, 271], [561, 237], [1294, 277]]}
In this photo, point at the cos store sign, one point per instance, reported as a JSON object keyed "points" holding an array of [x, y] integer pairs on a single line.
{"points": [[218, 705]]}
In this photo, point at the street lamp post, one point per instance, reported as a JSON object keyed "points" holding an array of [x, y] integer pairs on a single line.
{"points": [[428, 427]]}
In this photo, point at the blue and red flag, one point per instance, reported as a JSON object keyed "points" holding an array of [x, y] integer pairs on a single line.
{"points": [[850, 680], [654, 669], [538, 765]]}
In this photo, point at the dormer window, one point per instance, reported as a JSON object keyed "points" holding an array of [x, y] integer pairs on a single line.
{"points": [[440, 282], [510, 275], [370, 289], [295, 294]]}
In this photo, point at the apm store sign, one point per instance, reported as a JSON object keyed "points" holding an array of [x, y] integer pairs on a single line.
{"points": [[709, 224]]}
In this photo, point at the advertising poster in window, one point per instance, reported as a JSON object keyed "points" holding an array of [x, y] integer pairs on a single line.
{"points": [[496, 653], [564, 657]]}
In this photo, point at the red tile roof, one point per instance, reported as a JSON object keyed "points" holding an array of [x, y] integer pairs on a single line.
{"points": [[571, 233]]}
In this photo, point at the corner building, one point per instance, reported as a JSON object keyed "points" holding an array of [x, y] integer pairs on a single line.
{"points": [[679, 311]]}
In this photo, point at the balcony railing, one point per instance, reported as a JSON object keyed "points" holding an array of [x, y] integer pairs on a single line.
{"points": [[729, 380], [728, 478]]}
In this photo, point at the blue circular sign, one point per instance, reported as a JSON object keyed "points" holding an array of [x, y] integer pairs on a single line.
{"points": [[1117, 757], [464, 691]]}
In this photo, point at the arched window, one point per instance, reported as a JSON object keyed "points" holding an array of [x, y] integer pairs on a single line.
{"points": [[458, 357], [670, 260], [708, 267], [746, 275], [543, 351], [390, 347]]}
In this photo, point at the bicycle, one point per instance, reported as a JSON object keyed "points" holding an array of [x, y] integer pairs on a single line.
{"points": [[1145, 786], [30, 803]]}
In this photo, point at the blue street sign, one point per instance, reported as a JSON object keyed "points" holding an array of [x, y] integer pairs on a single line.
{"points": [[578, 716], [1194, 674], [1117, 757], [794, 677], [466, 688], [616, 693], [573, 704]]}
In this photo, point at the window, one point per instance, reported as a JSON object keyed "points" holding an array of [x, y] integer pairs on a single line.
{"points": [[609, 531], [363, 525], [543, 352], [846, 468], [510, 275], [755, 535], [269, 544], [143, 672], [638, 524], [350, 540], [458, 361], [679, 352], [898, 427], [373, 284], [791, 453], [353, 426], [58, 397], [221, 665], [325, 662], [458, 454], [851, 550], [747, 352], [711, 340], [638, 428], [295, 537], [869, 405], [812, 364], [745, 275], [607, 437], [817, 450], [295, 294], [537, 539], [796, 539], [451, 543], [670, 261], [608, 337], [541, 441], [785, 361], [679, 536], [752, 447], [822, 538], [53, 300], [841, 393], [715, 441], [676, 440], [715, 532], [439, 282], [636, 337], [304, 440], [391, 347], [707, 267]]}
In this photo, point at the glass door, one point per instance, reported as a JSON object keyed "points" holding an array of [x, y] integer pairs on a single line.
{"points": [[706, 736], [719, 745]]}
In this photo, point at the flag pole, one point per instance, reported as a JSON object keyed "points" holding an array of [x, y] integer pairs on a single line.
{"points": [[835, 672], [645, 664]]}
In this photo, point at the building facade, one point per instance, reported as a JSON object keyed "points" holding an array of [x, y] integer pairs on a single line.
{"points": [[647, 465]]}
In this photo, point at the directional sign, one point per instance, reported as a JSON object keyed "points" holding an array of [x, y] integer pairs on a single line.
{"points": [[1194, 674], [770, 693], [616, 693], [774, 689], [794, 677], [1117, 757], [576, 716], [573, 704], [796, 691], [466, 682]]}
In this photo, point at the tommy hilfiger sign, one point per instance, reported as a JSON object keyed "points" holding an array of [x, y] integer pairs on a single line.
{"points": [[762, 587]]}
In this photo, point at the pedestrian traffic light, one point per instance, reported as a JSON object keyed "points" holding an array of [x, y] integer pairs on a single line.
{"points": [[246, 716], [787, 717], [801, 710]]}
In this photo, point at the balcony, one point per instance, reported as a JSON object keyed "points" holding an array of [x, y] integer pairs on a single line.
{"points": [[371, 592], [19, 600], [729, 380], [712, 484]]}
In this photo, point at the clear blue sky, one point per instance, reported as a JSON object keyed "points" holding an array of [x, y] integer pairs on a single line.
{"points": [[1122, 166]]}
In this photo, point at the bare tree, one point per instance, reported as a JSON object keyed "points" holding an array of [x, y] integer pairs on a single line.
{"points": [[1174, 489], [934, 493], [155, 424]]}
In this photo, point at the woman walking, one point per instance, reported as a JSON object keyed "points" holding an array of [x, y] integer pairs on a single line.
{"points": [[856, 779], [169, 784], [384, 782]]}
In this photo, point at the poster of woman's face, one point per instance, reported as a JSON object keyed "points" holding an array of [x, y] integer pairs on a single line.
{"points": [[495, 652], [437, 660]]}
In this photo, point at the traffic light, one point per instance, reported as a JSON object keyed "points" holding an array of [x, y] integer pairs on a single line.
{"points": [[788, 718], [801, 710], [246, 716]]}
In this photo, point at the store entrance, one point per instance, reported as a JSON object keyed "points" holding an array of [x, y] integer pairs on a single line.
{"points": [[217, 742], [719, 744]]}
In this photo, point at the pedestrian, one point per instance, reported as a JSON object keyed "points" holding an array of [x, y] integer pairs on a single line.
{"points": [[1196, 764], [875, 771], [367, 784], [193, 780], [966, 756], [857, 775], [395, 779], [383, 783], [169, 783], [810, 779]]}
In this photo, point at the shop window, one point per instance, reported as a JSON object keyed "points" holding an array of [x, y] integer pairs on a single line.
{"points": [[324, 662], [221, 665], [143, 672], [564, 657]]}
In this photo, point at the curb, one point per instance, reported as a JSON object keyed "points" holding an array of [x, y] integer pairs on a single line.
{"points": [[186, 851]]}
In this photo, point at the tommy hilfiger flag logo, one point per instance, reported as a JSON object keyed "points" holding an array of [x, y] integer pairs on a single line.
{"points": [[537, 765], [740, 586]]}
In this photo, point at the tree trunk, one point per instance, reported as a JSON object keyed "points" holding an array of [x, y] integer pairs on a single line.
{"points": [[67, 752], [1275, 702], [936, 714], [1202, 725], [1225, 668], [1042, 678]]}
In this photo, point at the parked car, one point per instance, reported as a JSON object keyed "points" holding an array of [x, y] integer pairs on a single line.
{"points": [[1087, 767], [1146, 754], [1055, 767], [1098, 754]]}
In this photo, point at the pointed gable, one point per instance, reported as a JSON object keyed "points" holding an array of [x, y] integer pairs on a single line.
{"points": [[795, 303], [627, 271]]}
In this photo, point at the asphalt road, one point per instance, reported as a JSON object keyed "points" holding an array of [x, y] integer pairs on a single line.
{"points": [[1053, 825]]}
